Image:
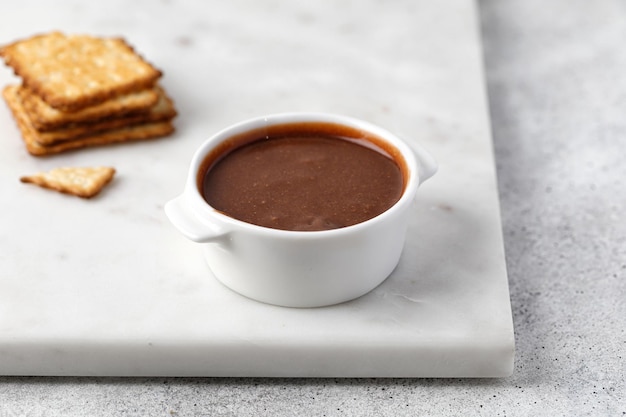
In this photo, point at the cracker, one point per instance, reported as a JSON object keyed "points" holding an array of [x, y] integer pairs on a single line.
{"points": [[163, 110], [45, 117], [30, 135], [81, 182], [70, 72]]}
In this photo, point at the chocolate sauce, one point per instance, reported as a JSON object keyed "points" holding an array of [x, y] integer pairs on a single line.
{"points": [[305, 178]]}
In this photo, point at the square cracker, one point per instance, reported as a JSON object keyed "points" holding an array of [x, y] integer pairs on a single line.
{"points": [[70, 72], [163, 110], [29, 134], [45, 118], [82, 182]]}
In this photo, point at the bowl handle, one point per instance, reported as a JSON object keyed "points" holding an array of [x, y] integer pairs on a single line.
{"points": [[188, 223], [426, 164]]}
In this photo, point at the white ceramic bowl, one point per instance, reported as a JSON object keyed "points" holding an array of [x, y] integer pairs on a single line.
{"points": [[295, 268]]}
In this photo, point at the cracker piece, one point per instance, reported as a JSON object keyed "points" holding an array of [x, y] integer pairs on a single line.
{"points": [[45, 117], [128, 134], [82, 182], [29, 134], [70, 72], [163, 110]]}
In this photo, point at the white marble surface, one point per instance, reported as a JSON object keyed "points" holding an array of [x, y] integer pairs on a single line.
{"points": [[556, 87], [108, 287]]}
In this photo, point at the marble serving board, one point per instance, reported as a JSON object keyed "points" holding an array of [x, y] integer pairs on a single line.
{"points": [[108, 287]]}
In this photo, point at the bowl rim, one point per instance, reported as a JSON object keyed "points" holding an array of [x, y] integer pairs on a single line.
{"points": [[205, 211]]}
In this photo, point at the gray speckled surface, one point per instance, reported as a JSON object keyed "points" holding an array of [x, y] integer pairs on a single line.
{"points": [[557, 87], [558, 102]]}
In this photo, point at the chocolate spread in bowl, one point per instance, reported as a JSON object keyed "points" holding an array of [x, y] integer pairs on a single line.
{"points": [[301, 179]]}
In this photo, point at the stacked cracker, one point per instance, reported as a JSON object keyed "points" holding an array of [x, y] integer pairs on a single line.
{"points": [[79, 91]]}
